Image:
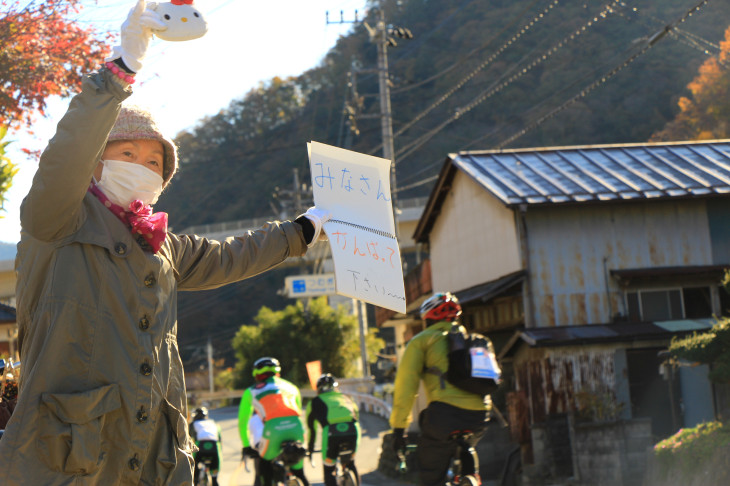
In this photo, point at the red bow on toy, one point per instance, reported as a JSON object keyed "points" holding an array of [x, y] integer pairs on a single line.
{"points": [[181, 2]]}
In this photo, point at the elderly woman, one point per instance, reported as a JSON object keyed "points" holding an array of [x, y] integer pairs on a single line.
{"points": [[102, 396]]}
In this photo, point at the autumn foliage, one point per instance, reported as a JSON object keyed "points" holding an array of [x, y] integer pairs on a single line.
{"points": [[706, 114], [43, 52]]}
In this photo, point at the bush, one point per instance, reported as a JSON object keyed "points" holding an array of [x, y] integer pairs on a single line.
{"points": [[693, 456]]}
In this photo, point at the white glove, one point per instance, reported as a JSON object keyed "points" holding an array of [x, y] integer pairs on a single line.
{"points": [[136, 34], [318, 217]]}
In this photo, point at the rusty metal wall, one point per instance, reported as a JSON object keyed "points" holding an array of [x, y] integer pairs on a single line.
{"points": [[572, 249], [547, 381]]}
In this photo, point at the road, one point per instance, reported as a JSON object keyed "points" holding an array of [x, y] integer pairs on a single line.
{"points": [[232, 474]]}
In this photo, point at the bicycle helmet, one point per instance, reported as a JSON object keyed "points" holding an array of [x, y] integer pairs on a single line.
{"points": [[441, 306], [200, 414], [264, 367], [326, 383]]}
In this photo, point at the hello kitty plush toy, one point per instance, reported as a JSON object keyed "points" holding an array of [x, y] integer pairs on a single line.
{"points": [[183, 21]]}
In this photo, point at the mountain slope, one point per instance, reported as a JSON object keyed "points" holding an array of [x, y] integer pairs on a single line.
{"points": [[502, 66]]}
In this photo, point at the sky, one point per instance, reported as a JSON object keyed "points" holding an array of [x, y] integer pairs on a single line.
{"points": [[248, 42]]}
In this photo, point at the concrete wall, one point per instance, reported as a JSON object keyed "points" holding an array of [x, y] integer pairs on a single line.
{"points": [[474, 240], [613, 454], [590, 454]]}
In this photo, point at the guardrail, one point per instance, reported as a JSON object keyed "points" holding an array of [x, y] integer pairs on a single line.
{"points": [[366, 403], [371, 404]]}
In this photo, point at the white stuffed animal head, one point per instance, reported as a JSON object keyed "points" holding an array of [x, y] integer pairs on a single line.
{"points": [[184, 22]]}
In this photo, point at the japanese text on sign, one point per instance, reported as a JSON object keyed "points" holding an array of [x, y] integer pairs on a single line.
{"points": [[355, 188]]}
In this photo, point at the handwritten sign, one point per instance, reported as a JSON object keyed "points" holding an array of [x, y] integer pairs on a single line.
{"points": [[355, 188]]}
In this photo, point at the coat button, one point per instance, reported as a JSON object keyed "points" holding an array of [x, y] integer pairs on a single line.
{"points": [[144, 323], [145, 369], [142, 415], [149, 281], [120, 248], [134, 464]]}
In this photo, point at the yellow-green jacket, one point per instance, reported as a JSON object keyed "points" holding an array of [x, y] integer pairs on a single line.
{"points": [[428, 349], [102, 392]]}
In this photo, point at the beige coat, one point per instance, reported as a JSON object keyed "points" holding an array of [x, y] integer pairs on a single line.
{"points": [[102, 396]]}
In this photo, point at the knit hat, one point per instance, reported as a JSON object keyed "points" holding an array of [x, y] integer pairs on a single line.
{"points": [[136, 123]]}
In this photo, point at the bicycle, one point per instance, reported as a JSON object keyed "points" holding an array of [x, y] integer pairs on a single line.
{"points": [[203, 477], [345, 476], [460, 472], [292, 451], [463, 472]]}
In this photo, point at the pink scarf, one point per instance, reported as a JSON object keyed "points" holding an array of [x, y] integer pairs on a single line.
{"points": [[139, 218]]}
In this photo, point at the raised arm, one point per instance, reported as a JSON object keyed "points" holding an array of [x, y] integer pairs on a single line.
{"points": [[52, 208]]}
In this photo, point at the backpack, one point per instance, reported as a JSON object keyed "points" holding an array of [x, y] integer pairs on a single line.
{"points": [[473, 365]]}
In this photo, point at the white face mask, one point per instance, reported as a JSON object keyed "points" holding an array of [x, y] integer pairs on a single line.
{"points": [[123, 182]]}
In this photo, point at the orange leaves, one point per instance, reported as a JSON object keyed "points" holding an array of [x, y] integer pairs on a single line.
{"points": [[685, 104], [708, 75], [706, 114], [42, 53]]}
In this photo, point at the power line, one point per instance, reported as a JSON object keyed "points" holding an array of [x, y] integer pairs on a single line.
{"points": [[221, 295], [680, 35], [461, 61], [650, 43], [417, 143], [474, 72], [422, 37], [419, 183]]}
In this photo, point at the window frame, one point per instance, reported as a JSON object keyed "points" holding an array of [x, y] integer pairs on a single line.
{"points": [[713, 290]]}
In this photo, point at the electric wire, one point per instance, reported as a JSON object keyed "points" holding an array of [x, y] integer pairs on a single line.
{"points": [[411, 147], [676, 30], [589, 88], [682, 36], [525, 27], [525, 114], [464, 58]]}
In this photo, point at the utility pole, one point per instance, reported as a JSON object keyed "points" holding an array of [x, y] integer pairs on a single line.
{"points": [[386, 121], [360, 308], [380, 35], [210, 365]]}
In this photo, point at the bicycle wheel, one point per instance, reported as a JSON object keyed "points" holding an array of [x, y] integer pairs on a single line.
{"points": [[469, 481], [294, 481], [203, 477], [349, 478]]}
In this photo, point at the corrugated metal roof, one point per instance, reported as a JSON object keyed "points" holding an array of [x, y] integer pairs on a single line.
{"points": [[601, 172], [600, 333], [487, 291]]}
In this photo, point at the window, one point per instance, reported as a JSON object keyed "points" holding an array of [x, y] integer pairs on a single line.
{"points": [[669, 304], [724, 301]]}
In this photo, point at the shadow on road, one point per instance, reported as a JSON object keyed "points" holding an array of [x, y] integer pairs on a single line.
{"points": [[233, 474]]}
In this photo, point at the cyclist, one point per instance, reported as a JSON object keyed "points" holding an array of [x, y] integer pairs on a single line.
{"points": [[449, 408], [279, 404], [207, 436], [338, 416]]}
